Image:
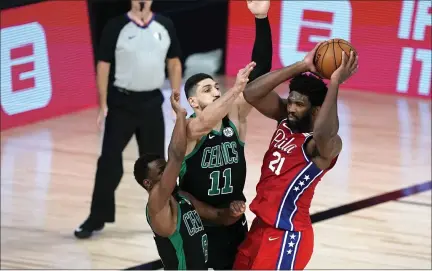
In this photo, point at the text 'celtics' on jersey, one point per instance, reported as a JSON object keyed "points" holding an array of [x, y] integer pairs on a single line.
{"points": [[187, 247], [215, 171]]}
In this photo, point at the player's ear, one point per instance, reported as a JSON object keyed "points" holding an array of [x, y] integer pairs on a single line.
{"points": [[315, 110], [193, 102], [147, 184]]}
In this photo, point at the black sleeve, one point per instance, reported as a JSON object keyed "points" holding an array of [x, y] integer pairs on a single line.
{"points": [[174, 49], [108, 41], [263, 49]]}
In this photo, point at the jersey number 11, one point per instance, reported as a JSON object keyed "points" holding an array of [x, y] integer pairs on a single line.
{"points": [[215, 179]]}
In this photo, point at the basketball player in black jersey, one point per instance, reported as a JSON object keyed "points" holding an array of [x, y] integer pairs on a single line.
{"points": [[175, 218], [214, 169]]}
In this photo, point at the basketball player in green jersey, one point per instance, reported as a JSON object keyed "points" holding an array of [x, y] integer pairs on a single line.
{"points": [[175, 218], [214, 169]]}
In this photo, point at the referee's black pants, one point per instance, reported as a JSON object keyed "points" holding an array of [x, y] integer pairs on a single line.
{"points": [[129, 113]]}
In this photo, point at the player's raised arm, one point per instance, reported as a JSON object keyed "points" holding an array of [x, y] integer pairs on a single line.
{"points": [[160, 194], [262, 51], [326, 127], [260, 94], [214, 112], [222, 216]]}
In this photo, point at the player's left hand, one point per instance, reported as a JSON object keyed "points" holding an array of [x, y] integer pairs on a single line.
{"points": [[175, 103], [259, 8], [347, 68], [237, 208]]}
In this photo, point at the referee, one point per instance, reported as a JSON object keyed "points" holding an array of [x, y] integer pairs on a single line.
{"points": [[134, 51]]}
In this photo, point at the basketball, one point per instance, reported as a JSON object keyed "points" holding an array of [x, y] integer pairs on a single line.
{"points": [[328, 56]]}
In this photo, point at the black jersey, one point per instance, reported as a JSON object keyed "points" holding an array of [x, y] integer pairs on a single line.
{"points": [[215, 171], [187, 247]]}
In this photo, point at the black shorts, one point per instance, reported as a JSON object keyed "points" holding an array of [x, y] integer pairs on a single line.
{"points": [[223, 242]]}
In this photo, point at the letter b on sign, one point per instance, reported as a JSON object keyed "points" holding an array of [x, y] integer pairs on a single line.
{"points": [[25, 72], [305, 23]]}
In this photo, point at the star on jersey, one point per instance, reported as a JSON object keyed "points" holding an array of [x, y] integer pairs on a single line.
{"points": [[291, 244], [301, 183]]}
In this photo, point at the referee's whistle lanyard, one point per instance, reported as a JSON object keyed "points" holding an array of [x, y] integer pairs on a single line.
{"points": [[138, 19]]}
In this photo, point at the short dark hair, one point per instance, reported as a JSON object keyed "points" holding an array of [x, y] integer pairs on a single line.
{"points": [[311, 86], [192, 81], [141, 166]]}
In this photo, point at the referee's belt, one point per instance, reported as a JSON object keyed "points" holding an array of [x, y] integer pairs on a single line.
{"points": [[128, 92]]}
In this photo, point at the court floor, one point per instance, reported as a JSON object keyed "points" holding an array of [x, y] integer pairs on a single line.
{"points": [[47, 172]]}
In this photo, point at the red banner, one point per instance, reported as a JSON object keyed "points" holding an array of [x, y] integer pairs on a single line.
{"points": [[393, 39], [46, 62]]}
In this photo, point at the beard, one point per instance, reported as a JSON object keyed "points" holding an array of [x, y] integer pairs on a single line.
{"points": [[303, 124]]}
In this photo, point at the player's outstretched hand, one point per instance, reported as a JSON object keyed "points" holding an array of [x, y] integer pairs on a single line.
{"points": [[175, 103], [347, 68], [259, 8], [243, 76], [237, 208], [309, 59]]}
